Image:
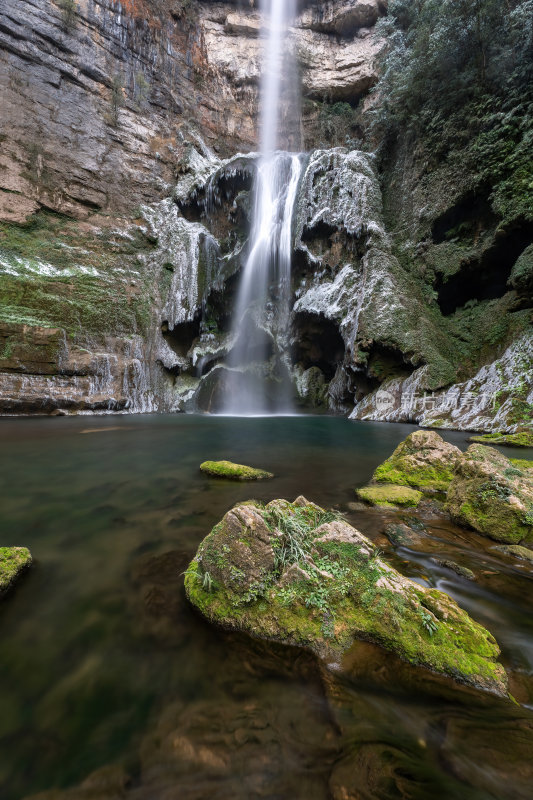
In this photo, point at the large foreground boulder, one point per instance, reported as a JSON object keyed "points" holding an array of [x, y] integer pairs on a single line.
{"points": [[294, 573], [423, 460], [492, 495]]}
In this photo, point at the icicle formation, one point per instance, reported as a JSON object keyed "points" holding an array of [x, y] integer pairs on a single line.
{"points": [[259, 327]]}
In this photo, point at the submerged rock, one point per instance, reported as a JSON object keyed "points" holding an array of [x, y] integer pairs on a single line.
{"points": [[390, 495], [13, 561], [234, 472], [492, 496], [423, 460], [464, 572], [516, 550], [294, 573], [402, 535]]}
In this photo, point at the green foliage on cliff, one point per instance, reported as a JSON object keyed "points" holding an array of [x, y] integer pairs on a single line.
{"points": [[458, 74]]}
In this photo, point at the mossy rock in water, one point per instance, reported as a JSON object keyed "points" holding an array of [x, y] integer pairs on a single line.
{"points": [[521, 463], [423, 460], [294, 573], [463, 572], [491, 495], [389, 495], [13, 561], [516, 550], [234, 472], [521, 439]]}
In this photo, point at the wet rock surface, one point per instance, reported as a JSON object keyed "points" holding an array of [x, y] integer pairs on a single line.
{"points": [[341, 591], [423, 460], [492, 496]]}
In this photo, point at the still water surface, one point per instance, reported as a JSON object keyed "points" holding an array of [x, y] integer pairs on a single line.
{"points": [[104, 666]]}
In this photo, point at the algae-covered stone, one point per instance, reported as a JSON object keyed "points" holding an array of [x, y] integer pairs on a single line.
{"points": [[516, 550], [294, 573], [519, 439], [491, 495], [390, 495], [463, 572], [423, 460], [234, 472], [521, 463], [13, 561]]}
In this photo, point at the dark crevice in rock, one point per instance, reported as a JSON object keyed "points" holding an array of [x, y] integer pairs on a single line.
{"points": [[322, 230], [317, 343], [181, 337], [486, 277], [469, 217], [386, 362], [225, 195]]}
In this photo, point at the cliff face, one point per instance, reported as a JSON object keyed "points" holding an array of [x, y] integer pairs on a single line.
{"points": [[124, 216], [96, 94]]}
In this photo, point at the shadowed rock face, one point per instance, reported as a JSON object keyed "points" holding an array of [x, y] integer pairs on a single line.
{"points": [[294, 573]]}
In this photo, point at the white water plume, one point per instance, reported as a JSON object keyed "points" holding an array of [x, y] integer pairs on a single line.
{"points": [[262, 308]]}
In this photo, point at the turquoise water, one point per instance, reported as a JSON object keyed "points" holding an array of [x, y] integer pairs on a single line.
{"points": [[104, 665]]}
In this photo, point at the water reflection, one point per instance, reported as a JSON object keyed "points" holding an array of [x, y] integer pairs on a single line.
{"points": [[105, 667]]}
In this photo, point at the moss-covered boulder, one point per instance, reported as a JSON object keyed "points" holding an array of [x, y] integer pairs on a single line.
{"points": [[517, 551], [13, 561], [294, 573], [234, 472], [491, 495], [519, 439], [389, 494], [423, 460]]}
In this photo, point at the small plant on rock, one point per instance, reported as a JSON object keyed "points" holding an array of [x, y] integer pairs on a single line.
{"points": [[69, 10]]}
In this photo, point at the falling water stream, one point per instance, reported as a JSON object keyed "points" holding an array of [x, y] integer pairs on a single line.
{"points": [[262, 309]]}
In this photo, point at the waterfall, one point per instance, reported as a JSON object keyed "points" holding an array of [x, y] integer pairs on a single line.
{"points": [[258, 381]]}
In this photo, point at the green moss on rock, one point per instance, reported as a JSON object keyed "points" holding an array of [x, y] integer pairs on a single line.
{"points": [[390, 495], [521, 463], [516, 550], [520, 439], [13, 561], [491, 495], [294, 573], [234, 472], [423, 460]]}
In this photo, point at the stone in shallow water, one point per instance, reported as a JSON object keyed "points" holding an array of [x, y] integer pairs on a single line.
{"points": [[491, 495], [516, 550], [234, 472], [348, 593], [13, 561], [390, 495], [463, 572], [423, 460]]}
